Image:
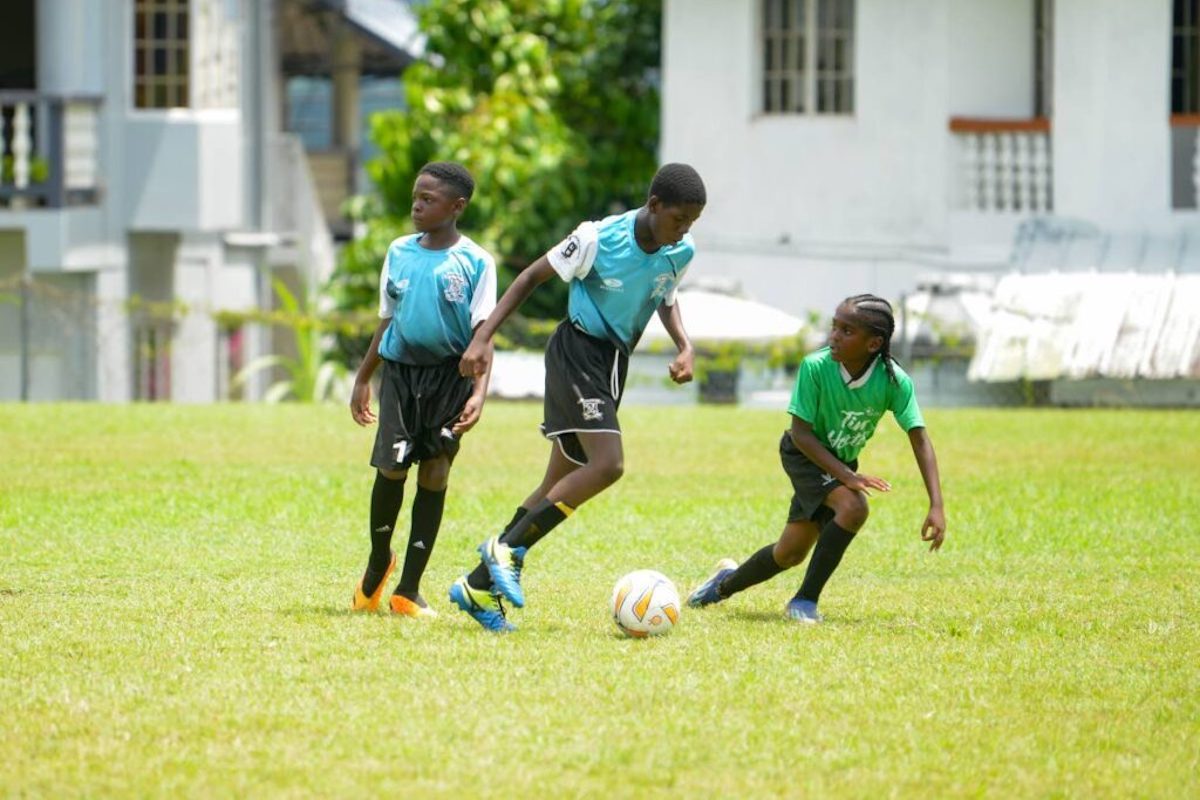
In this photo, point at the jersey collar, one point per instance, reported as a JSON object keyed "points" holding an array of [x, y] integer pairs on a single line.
{"points": [[848, 379]]}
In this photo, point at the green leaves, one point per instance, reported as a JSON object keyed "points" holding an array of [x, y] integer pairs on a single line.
{"points": [[309, 377], [553, 106]]}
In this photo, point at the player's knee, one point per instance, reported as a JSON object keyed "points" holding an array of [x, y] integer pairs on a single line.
{"points": [[788, 554], [394, 474], [434, 474], [852, 513], [610, 470]]}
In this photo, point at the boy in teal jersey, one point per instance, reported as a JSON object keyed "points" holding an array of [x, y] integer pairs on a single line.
{"points": [[435, 288], [621, 270], [841, 393]]}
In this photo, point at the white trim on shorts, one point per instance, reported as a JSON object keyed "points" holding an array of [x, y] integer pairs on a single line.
{"points": [[554, 438]]}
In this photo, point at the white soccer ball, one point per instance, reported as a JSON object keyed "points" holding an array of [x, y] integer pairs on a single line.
{"points": [[645, 603]]}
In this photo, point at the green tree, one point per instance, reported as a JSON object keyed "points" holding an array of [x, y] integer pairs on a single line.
{"points": [[552, 104]]}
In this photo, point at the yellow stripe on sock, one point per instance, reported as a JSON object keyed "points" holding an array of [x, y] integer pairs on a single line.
{"points": [[564, 508]]}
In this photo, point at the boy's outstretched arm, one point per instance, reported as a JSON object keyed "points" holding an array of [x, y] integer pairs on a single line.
{"points": [[474, 405], [682, 367], [477, 359], [360, 395], [808, 443], [933, 529]]}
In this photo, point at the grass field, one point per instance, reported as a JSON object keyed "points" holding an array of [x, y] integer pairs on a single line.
{"points": [[174, 584]]}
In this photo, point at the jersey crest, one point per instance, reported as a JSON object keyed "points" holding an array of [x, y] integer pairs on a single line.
{"points": [[456, 286], [591, 408]]}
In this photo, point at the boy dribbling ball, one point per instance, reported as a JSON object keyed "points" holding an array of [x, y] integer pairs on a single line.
{"points": [[841, 393], [620, 271]]}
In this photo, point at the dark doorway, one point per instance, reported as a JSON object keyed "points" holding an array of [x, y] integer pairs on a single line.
{"points": [[18, 45]]}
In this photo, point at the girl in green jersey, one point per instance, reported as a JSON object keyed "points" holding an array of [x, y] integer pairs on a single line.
{"points": [[841, 393]]}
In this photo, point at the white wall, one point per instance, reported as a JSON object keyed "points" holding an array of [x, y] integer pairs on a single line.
{"points": [[183, 171], [804, 210], [1111, 139], [801, 208], [876, 174], [990, 58]]}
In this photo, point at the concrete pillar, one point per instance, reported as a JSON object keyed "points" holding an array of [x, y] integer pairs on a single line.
{"points": [[69, 53], [346, 69]]}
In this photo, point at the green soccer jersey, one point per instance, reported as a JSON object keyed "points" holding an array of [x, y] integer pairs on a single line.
{"points": [[844, 412]]}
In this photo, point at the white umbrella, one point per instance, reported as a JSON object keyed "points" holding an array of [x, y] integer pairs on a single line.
{"points": [[714, 317]]}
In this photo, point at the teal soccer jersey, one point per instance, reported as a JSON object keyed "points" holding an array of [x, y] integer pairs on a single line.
{"points": [[615, 286], [843, 413], [435, 298]]}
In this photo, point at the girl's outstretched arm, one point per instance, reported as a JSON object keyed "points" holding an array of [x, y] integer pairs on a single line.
{"points": [[933, 529]]}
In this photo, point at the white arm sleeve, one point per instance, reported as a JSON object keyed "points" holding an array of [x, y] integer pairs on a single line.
{"points": [[484, 301], [387, 306], [573, 256], [669, 298]]}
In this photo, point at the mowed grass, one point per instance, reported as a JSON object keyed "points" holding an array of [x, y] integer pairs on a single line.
{"points": [[174, 584]]}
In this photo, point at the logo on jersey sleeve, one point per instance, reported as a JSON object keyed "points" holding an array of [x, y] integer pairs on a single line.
{"points": [[456, 287], [662, 285], [395, 289], [614, 284], [570, 247]]}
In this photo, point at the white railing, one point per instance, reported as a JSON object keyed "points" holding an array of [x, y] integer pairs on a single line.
{"points": [[1002, 165], [49, 149]]}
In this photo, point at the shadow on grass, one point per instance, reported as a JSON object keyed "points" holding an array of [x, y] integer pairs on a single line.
{"points": [[341, 612], [778, 618]]}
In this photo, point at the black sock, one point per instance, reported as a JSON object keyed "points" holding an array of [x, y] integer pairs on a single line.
{"points": [[826, 556], [386, 498], [512, 523], [426, 520], [479, 578], [757, 568], [540, 520]]}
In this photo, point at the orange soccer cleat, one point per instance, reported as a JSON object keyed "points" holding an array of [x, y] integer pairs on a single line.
{"points": [[417, 609], [363, 603]]}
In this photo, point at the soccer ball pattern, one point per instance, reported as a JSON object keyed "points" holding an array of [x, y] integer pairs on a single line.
{"points": [[645, 603]]}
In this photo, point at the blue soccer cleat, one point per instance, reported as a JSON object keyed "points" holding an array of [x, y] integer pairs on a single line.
{"points": [[504, 565], [707, 593], [804, 611], [482, 605]]}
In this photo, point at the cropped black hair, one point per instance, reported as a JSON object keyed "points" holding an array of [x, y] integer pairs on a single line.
{"points": [[452, 174], [677, 185], [876, 314]]}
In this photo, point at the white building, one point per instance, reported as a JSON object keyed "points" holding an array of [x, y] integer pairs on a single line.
{"points": [[851, 145], [146, 188]]}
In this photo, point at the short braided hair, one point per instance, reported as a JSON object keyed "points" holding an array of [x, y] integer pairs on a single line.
{"points": [[678, 184], [452, 174], [876, 314]]}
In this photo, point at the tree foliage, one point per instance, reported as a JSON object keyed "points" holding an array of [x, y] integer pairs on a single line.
{"points": [[552, 104]]}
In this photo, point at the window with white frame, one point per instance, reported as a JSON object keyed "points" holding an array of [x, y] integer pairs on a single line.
{"points": [[808, 56], [186, 53], [162, 57], [1185, 57]]}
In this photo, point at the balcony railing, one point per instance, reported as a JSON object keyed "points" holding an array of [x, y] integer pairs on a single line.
{"points": [[1003, 165], [49, 150], [1185, 161]]}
